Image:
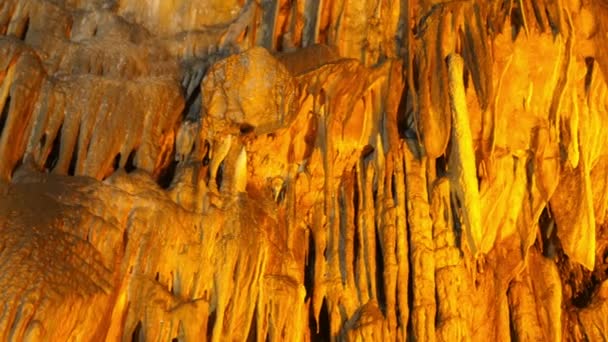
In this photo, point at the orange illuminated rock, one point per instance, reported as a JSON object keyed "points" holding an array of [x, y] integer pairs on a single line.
{"points": [[303, 170]]}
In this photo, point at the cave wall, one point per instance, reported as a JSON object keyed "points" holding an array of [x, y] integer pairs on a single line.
{"points": [[303, 170]]}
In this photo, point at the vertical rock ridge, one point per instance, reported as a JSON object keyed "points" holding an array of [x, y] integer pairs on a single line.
{"points": [[296, 170]]}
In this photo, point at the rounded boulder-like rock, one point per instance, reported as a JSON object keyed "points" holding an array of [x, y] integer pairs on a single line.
{"points": [[248, 91]]}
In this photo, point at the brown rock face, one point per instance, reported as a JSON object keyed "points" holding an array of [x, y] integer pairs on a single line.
{"points": [[303, 170]]}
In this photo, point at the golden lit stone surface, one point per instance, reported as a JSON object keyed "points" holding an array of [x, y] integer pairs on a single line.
{"points": [[303, 170]]}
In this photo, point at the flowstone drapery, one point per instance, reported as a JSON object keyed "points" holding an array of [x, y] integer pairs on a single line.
{"points": [[303, 170]]}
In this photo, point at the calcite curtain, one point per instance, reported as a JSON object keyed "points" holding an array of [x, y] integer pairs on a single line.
{"points": [[295, 170]]}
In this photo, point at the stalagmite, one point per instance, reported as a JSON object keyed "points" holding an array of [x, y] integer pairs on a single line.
{"points": [[303, 170], [452, 280], [421, 249]]}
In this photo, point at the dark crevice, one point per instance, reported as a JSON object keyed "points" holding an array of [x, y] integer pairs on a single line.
{"points": [[441, 166], [311, 136], [437, 312], [416, 69], [356, 242], [137, 335], [517, 21], [320, 331], [583, 298], [116, 163], [165, 178], [495, 22], [313, 24], [394, 189], [17, 166], [407, 120], [479, 171], [53, 157], [367, 152], [88, 149], [246, 128], [380, 293], [309, 268], [207, 175], [281, 194], [26, 28], [130, 165], [125, 240], [456, 209], [466, 76], [210, 324], [253, 329], [72, 167], [74, 157], [207, 149], [512, 330], [42, 140], [219, 176], [4, 114], [191, 85], [193, 105], [583, 283], [589, 62], [538, 16], [398, 315], [343, 230], [553, 23], [548, 232], [237, 271], [245, 33], [402, 116]]}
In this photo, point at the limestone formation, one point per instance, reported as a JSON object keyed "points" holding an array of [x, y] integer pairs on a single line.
{"points": [[303, 170]]}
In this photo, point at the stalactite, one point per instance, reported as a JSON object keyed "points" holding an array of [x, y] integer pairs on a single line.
{"points": [[462, 160], [303, 170]]}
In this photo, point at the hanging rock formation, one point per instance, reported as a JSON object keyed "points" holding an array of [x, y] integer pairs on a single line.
{"points": [[303, 170]]}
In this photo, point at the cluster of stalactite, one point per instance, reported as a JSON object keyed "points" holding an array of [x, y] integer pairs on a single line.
{"points": [[303, 170]]}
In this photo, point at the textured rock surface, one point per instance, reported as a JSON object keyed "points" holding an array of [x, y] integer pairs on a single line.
{"points": [[303, 170]]}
